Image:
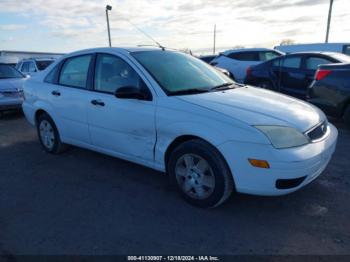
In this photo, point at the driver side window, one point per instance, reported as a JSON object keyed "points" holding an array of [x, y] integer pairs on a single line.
{"points": [[112, 72]]}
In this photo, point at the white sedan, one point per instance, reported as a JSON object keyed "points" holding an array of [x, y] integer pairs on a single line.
{"points": [[174, 113]]}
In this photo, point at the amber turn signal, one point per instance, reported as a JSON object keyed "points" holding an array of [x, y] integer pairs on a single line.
{"points": [[259, 163]]}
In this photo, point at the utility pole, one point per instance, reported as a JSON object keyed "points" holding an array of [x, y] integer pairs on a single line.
{"points": [[214, 39], [329, 19], [108, 8]]}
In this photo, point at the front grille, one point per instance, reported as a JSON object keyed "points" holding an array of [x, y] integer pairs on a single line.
{"points": [[318, 132], [10, 93]]}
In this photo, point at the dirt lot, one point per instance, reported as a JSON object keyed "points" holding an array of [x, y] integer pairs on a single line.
{"points": [[83, 202]]}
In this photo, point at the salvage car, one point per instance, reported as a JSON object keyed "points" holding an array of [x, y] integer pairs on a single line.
{"points": [[11, 88], [174, 113]]}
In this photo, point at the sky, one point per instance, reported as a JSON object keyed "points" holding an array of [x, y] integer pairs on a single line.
{"points": [[68, 25]]}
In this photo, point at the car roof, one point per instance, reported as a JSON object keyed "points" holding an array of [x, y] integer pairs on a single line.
{"points": [[227, 52], [37, 59], [118, 49], [326, 53]]}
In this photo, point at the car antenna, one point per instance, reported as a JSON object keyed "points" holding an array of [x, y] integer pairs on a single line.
{"points": [[147, 35]]}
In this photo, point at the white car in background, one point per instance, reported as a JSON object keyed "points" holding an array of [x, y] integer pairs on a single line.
{"points": [[31, 66], [237, 61], [175, 113], [315, 47]]}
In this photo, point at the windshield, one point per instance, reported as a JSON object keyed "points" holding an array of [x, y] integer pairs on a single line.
{"points": [[176, 72], [42, 64], [7, 71]]}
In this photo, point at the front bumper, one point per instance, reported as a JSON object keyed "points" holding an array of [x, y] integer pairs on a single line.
{"points": [[306, 162], [10, 103]]}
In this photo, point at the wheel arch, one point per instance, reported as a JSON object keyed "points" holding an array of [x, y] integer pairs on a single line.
{"points": [[176, 142], [38, 113], [184, 138]]}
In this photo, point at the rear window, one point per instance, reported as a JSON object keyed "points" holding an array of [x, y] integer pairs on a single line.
{"points": [[312, 63]]}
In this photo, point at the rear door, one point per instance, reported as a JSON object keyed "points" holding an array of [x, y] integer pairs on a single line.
{"points": [[292, 76], [70, 97]]}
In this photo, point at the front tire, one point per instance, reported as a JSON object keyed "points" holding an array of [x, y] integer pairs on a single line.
{"points": [[200, 174], [48, 135]]}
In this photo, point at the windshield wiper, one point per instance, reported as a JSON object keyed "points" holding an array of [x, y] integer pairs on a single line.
{"points": [[222, 86], [188, 91]]}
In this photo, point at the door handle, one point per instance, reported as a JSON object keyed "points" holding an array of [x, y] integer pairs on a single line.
{"points": [[97, 102], [56, 93]]}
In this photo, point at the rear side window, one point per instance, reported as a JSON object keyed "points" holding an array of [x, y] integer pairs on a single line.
{"points": [[25, 67], [112, 72], [347, 49], [312, 63], [267, 55], [292, 62], [32, 67], [245, 56], [74, 71]]}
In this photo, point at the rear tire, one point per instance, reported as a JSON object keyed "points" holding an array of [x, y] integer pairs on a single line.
{"points": [[48, 135], [346, 115], [200, 174]]}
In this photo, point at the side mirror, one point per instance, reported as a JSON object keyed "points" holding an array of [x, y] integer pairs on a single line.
{"points": [[131, 92]]}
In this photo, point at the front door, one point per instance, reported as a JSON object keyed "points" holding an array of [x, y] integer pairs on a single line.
{"points": [[123, 126]]}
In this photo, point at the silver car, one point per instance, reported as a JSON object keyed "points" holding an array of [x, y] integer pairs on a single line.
{"points": [[11, 87]]}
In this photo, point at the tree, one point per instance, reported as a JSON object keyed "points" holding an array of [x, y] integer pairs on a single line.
{"points": [[287, 42]]}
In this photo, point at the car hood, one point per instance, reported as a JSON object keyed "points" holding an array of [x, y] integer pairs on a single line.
{"points": [[11, 84], [256, 106]]}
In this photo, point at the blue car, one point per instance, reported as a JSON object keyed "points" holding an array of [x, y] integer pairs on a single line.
{"points": [[291, 74]]}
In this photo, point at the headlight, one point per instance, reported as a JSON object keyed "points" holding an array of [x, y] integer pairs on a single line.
{"points": [[283, 136]]}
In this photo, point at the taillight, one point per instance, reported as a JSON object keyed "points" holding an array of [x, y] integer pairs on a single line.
{"points": [[249, 70], [322, 73]]}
